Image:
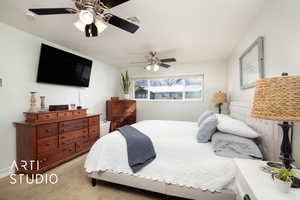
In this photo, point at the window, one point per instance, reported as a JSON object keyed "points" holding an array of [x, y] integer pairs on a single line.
{"points": [[169, 88]]}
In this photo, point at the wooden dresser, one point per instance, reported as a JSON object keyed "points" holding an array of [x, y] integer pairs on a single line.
{"points": [[52, 138], [120, 113]]}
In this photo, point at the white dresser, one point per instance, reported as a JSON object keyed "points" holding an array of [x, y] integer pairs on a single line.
{"points": [[254, 184]]}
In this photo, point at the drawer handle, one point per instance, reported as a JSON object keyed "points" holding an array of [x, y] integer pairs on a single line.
{"points": [[43, 160], [246, 197]]}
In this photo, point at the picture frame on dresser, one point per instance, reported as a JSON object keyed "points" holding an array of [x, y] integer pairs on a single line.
{"points": [[252, 64]]}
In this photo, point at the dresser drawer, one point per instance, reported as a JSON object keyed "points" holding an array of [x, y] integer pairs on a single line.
{"points": [[67, 151], [73, 125], [79, 112], [47, 144], [85, 145], [46, 117], [63, 115], [94, 121], [46, 159], [94, 131], [47, 130], [71, 137]]}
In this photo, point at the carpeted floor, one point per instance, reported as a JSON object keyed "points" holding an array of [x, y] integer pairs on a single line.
{"points": [[73, 184]]}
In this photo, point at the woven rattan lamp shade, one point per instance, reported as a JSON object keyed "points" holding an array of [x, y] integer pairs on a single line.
{"points": [[277, 99], [219, 97]]}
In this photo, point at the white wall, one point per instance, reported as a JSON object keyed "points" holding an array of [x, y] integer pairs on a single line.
{"points": [[215, 79], [19, 57], [279, 23]]}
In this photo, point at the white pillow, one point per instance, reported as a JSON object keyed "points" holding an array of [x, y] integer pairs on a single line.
{"points": [[227, 124]]}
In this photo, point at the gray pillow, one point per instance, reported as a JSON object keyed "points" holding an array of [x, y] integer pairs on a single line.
{"points": [[207, 128], [232, 146], [203, 116]]}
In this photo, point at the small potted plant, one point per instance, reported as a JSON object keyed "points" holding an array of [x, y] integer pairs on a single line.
{"points": [[283, 178], [125, 84]]}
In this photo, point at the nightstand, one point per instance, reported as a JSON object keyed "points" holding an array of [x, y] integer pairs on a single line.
{"points": [[254, 184]]}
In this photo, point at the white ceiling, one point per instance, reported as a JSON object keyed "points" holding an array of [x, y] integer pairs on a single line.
{"points": [[190, 30]]}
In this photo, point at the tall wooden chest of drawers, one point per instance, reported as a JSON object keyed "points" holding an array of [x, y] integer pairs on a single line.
{"points": [[120, 113], [50, 138]]}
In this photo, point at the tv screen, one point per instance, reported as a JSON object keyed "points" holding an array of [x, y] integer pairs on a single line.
{"points": [[59, 67]]}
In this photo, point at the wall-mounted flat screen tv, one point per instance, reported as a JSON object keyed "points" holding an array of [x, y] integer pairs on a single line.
{"points": [[60, 67]]}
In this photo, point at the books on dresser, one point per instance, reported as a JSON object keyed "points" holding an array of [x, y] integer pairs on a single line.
{"points": [[54, 137]]}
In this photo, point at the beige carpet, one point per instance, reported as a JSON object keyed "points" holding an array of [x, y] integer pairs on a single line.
{"points": [[73, 184]]}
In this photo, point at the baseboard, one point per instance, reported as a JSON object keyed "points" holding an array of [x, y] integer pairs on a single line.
{"points": [[5, 172]]}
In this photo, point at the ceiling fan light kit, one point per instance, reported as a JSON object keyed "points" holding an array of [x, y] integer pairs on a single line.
{"points": [[155, 68], [154, 63], [148, 67], [79, 25], [101, 25], [91, 30], [92, 16], [86, 16]]}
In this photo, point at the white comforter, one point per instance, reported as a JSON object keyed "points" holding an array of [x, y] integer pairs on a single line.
{"points": [[180, 159]]}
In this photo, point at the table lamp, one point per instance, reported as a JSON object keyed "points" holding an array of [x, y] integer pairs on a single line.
{"points": [[219, 98], [278, 99]]}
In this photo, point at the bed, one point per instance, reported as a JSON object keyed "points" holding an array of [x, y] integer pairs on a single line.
{"points": [[183, 167]]}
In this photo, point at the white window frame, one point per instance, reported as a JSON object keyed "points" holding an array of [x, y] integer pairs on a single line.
{"points": [[183, 76]]}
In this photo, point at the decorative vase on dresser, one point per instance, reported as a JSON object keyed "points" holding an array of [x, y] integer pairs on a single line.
{"points": [[51, 138], [120, 112]]}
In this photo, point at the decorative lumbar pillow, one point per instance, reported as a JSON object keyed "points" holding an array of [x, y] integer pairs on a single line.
{"points": [[207, 128], [227, 124], [204, 115]]}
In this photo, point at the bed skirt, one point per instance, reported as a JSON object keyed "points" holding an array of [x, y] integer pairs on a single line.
{"points": [[163, 188]]}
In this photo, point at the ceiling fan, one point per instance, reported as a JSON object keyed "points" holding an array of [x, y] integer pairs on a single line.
{"points": [[154, 63], [93, 18]]}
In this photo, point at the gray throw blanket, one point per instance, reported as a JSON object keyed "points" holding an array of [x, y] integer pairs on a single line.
{"points": [[233, 146], [140, 149]]}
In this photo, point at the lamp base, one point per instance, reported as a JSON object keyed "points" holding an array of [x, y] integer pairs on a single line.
{"points": [[286, 146]]}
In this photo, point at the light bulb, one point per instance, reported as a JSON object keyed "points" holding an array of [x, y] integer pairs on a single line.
{"points": [[86, 17], [79, 25], [155, 68], [101, 26], [149, 67]]}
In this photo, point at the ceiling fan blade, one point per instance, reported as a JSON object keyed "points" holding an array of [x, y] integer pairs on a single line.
{"points": [[164, 65], [112, 3], [123, 24], [145, 62], [52, 11], [168, 60]]}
